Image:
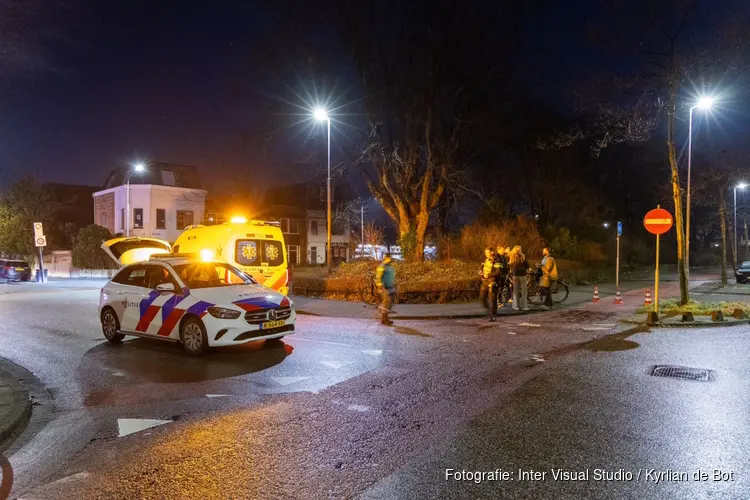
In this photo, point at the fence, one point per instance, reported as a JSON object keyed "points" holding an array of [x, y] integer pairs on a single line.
{"points": [[93, 273]]}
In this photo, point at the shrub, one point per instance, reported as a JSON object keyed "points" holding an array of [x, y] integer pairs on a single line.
{"points": [[475, 237], [87, 252]]}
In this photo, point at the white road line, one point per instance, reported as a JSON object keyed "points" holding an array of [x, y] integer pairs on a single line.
{"points": [[291, 338], [359, 408], [511, 333], [216, 395], [127, 426], [529, 324], [373, 352], [594, 328], [336, 364], [604, 324], [288, 380]]}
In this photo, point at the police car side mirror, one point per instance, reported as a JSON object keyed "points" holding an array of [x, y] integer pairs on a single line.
{"points": [[165, 287]]}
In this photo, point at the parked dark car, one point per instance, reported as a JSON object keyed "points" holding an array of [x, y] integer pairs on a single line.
{"points": [[743, 272], [14, 270]]}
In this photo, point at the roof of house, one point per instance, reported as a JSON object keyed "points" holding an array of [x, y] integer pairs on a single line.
{"points": [[158, 173]]}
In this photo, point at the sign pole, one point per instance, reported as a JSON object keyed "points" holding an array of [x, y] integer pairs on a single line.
{"points": [[41, 265], [617, 265], [656, 278]]}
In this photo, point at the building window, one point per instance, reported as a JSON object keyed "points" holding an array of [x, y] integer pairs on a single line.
{"points": [[167, 177], [161, 218], [293, 226], [293, 254], [314, 228], [138, 218], [184, 219], [284, 225], [122, 220]]}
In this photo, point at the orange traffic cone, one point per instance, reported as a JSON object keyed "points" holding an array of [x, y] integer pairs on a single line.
{"points": [[618, 297], [647, 302], [596, 294]]}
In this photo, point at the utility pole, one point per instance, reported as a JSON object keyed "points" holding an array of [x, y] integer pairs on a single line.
{"points": [[362, 227]]}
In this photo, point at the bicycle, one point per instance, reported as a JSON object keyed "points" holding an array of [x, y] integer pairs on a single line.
{"points": [[559, 289], [369, 293]]}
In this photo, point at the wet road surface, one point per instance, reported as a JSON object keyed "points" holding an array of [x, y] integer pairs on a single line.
{"points": [[344, 407]]}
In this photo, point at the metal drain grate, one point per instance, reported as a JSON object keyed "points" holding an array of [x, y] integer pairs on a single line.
{"points": [[682, 372]]}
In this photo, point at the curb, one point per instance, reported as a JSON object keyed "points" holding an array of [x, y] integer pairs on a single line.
{"points": [[692, 324], [20, 411], [433, 316]]}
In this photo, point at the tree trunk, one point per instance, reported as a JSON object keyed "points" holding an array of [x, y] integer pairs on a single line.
{"points": [[677, 195], [723, 219]]}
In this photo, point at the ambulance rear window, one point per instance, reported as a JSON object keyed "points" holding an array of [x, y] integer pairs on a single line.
{"points": [[259, 252]]}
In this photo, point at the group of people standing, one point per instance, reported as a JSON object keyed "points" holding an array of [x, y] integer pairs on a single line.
{"points": [[503, 264]]}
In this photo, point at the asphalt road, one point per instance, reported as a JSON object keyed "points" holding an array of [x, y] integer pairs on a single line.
{"points": [[344, 407]]}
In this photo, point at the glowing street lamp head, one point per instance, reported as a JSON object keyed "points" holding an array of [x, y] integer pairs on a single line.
{"points": [[139, 167], [705, 102], [320, 114], [606, 225], [741, 185]]}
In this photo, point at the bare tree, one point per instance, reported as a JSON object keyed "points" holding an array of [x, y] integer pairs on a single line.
{"points": [[374, 235], [426, 68], [661, 36]]}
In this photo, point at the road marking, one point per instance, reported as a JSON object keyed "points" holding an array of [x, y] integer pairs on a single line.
{"points": [[511, 333], [318, 341], [288, 380], [359, 408], [127, 426], [604, 324], [336, 364], [529, 324], [374, 352], [537, 357], [216, 395], [593, 328]]}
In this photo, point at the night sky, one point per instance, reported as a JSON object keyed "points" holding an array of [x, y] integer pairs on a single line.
{"points": [[88, 87]]}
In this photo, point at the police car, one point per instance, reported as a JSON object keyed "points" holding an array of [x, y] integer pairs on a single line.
{"points": [[185, 299]]}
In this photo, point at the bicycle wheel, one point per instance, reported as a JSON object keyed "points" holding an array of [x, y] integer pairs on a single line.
{"points": [[532, 292], [504, 295], [559, 291]]}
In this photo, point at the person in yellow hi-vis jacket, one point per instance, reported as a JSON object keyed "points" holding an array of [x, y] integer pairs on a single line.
{"points": [[385, 279]]}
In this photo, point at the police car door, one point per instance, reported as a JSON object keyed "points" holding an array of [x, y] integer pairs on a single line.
{"points": [[131, 290]]}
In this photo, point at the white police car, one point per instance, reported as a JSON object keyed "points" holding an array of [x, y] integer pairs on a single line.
{"points": [[198, 303]]}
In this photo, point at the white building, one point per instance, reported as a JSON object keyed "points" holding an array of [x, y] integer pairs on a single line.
{"points": [[164, 199]]}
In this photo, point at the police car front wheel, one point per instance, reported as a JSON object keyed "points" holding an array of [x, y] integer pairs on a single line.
{"points": [[193, 336], [111, 326]]}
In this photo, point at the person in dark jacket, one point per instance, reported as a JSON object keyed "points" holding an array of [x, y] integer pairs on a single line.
{"points": [[490, 272], [518, 268], [385, 277]]}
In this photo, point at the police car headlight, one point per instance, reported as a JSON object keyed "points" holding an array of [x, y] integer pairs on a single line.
{"points": [[222, 313]]}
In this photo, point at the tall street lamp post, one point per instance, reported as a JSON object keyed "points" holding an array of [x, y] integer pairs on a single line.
{"points": [[741, 185], [704, 103], [137, 168], [321, 114]]}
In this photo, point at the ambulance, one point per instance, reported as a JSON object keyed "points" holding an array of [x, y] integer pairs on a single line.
{"points": [[253, 246]]}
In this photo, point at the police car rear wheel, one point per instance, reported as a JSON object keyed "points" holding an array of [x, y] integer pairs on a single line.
{"points": [[193, 336], [110, 326]]}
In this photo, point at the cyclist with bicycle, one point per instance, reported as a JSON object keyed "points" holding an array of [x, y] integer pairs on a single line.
{"points": [[548, 278]]}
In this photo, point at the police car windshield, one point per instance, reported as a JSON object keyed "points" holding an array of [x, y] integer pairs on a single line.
{"points": [[211, 275]]}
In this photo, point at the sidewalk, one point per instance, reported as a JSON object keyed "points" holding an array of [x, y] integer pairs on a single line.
{"points": [[15, 405], [633, 293]]}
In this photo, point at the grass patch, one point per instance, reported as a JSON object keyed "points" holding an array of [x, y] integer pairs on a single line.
{"points": [[698, 308]]}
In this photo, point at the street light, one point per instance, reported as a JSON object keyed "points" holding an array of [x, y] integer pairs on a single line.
{"points": [[137, 168], [741, 185], [320, 114], [703, 103], [606, 225]]}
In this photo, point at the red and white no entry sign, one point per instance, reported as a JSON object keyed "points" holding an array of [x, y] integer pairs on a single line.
{"points": [[658, 221]]}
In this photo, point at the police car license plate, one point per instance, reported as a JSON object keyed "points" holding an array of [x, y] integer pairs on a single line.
{"points": [[19, 269], [272, 324]]}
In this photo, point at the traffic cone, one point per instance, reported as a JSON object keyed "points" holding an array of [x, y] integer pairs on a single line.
{"points": [[596, 294], [618, 297], [647, 302]]}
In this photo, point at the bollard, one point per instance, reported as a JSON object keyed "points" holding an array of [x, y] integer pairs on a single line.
{"points": [[717, 316]]}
